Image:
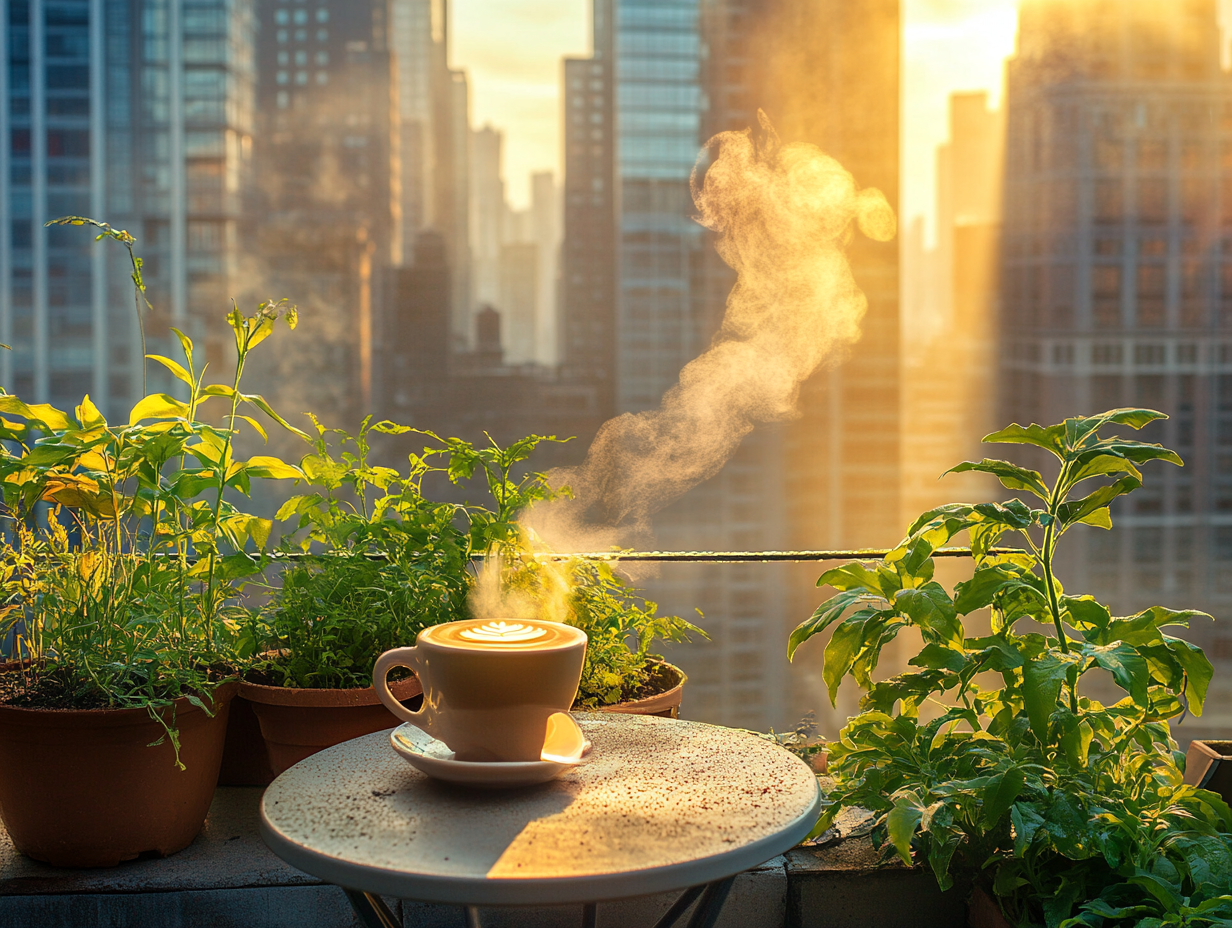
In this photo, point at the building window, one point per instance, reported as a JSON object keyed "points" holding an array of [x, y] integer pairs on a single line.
{"points": [[322, 77], [301, 77], [322, 15], [281, 77]]}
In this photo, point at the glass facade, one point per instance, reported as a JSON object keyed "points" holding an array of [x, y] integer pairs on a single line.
{"points": [[658, 125], [105, 116]]}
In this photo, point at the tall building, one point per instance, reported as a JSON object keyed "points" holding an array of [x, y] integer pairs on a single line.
{"points": [[328, 220], [588, 250], [545, 231], [1117, 284], [950, 404], [519, 287], [487, 215], [138, 114], [417, 39]]}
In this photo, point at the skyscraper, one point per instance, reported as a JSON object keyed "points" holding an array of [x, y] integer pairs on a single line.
{"points": [[328, 219], [1117, 283], [588, 252], [139, 114], [949, 366]]}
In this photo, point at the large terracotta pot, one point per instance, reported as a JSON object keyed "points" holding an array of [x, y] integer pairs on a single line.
{"points": [[296, 723], [82, 788], [665, 704]]}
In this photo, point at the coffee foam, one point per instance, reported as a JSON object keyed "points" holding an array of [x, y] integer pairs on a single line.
{"points": [[502, 635]]}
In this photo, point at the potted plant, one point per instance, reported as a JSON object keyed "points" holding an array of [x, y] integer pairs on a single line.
{"points": [[120, 586], [990, 760], [620, 674], [388, 563]]}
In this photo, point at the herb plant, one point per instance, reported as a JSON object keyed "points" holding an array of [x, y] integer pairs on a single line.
{"points": [[990, 759], [389, 563], [125, 592], [621, 626]]}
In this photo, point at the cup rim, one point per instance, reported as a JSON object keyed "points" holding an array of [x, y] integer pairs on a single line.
{"points": [[574, 637]]}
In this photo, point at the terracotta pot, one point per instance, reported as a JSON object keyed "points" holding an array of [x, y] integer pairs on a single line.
{"points": [[245, 759], [984, 912], [665, 705], [82, 788], [296, 723], [1208, 764]]}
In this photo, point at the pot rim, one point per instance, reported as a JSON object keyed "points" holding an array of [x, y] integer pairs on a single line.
{"points": [[265, 694], [658, 701]]}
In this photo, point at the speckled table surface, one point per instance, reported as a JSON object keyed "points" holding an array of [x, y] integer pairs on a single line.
{"points": [[658, 805]]}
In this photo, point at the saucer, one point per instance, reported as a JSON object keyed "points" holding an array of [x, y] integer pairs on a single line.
{"points": [[432, 757]]}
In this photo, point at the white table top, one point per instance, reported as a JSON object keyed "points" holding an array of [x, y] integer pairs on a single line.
{"points": [[658, 805]]}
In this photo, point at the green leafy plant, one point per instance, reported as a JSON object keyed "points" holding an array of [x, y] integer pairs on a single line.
{"points": [[389, 563], [126, 594], [991, 759]]}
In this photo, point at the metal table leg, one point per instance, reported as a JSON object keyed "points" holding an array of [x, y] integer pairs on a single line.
{"points": [[708, 909], [371, 909], [373, 912]]}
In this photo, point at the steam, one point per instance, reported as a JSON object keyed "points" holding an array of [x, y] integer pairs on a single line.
{"points": [[784, 214]]}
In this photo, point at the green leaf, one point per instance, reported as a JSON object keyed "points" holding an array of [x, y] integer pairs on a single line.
{"points": [[1051, 438], [930, 608], [177, 369], [841, 652], [1011, 475], [261, 404], [89, 416], [1080, 510], [272, 468], [1000, 794], [1041, 685], [1127, 666], [825, 615], [901, 824], [853, 576], [938, 657], [1198, 671], [158, 406]]}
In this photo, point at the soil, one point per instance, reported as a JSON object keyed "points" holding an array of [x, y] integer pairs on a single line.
{"points": [[26, 690], [659, 679]]}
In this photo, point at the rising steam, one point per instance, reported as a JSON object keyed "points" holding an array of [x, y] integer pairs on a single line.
{"points": [[783, 214]]}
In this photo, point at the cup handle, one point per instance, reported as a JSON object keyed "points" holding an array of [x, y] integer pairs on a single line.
{"points": [[398, 657]]}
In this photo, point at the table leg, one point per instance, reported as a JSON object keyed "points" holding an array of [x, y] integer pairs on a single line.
{"points": [[472, 917], [672, 915], [711, 904], [371, 909], [590, 915]]}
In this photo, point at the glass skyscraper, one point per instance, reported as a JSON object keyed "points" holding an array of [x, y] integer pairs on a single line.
{"points": [[134, 113], [657, 50]]}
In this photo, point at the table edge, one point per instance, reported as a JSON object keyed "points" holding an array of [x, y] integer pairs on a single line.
{"points": [[539, 890]]}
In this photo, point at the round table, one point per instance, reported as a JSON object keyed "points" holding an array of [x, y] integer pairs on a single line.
{"points": [[658, 805]]}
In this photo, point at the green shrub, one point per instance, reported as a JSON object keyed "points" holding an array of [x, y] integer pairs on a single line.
{"points": [[1073, 812]]}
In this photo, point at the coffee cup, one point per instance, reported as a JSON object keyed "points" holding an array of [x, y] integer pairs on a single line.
{"points": [[490, 687]]}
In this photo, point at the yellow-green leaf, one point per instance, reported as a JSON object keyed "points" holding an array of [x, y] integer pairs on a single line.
{"points": [[158, 406]]}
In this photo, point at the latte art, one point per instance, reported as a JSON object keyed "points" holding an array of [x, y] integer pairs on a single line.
{"points": [[502, 635], [501, 632]]}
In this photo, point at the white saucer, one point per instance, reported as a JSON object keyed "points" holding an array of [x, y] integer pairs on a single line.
{"points": [[426, 754]]}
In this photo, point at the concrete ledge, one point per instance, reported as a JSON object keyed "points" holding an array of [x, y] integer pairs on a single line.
{"points": [[228, 877], [842, 887]]}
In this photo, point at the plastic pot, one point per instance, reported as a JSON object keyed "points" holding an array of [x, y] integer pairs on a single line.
{"points": [[83, 788]]}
